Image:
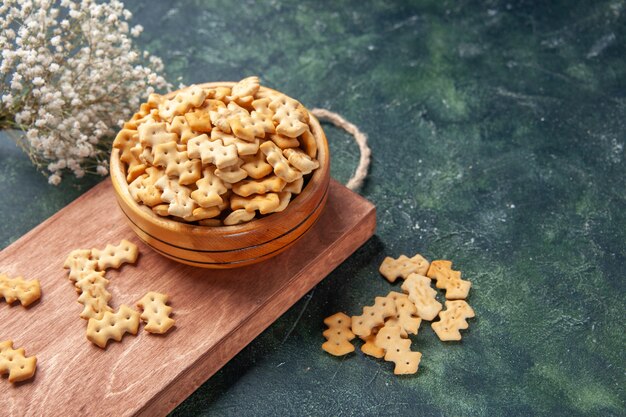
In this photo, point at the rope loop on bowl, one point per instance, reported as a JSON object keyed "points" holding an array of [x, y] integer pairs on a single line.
{"points": [[360, 173]]}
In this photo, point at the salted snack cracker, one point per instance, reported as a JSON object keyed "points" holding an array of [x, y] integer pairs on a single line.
{"points": [[153, 134], [398, 350], [269, 184], [155, 313], [283, 201], [203, 213], [239, 216], [231, 174], [280, 164], [338, 335], [177, 163], [95, 301], [406, 314], [291, 117], [199, 120], [308, 143], [369, 346], [373, 316], [113, 326], [212, 152], [14, 289], [15, 363], [178, 196], [284, 142], [300, 160], [453, 319], [294, 187], [113, 256], [422, 295], [255, 141], [243, 147], [449, 279], [265, 203], [256, 167], [210, 188], [403, 266], [91, 280], [184, 100]]}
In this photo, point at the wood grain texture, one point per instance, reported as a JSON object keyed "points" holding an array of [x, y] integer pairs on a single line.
{"points": [[217, 312]]}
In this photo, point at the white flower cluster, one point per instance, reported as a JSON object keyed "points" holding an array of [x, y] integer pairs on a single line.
{"points": [[70, 76]]}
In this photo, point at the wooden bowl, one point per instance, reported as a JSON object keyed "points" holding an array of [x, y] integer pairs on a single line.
{"points": [[228, 246]]}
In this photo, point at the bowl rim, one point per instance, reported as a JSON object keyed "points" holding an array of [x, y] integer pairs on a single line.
{"points": [[267, 222]]}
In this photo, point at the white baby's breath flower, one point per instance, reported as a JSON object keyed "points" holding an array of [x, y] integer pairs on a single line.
{"points": [[71, 75], [54, 179], [136, 30]]}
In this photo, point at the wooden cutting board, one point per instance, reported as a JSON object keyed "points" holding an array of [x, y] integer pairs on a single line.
{"points": [[217, 312]]}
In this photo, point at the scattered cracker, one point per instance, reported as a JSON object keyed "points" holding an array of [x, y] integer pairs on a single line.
{"points": [[449, 279], [403, 266], [398, 350], [15, 363], [114, 256], [370, 348], [155, 312], [338, 335], [373, 316], [453, 319], [422, 295], [113, 326], [406, 314], [13, 289]]}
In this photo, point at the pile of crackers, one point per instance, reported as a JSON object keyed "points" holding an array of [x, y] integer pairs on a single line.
{"points": [[218, 156], [385, 326], [87, 268]]}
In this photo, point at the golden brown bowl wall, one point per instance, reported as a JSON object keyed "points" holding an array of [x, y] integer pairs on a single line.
{"points": [[229, 246]]}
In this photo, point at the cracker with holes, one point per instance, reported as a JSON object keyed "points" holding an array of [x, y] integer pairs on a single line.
{"points": [[279, 163], [422, 295], [177, 163], [18, 289], [182, 128], [239, 216], [243, 147], [212, 152], [338, 335], [453, 319], [264, 204], [210, 188], [290, 115], [15, 362], [406, 314], [153, 134], [369, 346], [449, 279], [155, 313], [403, 266], [398, 350], [243, 92], [256, 167], [113, 256], [183, 101], [284, 142], [232, 174], [113, 326], [269, 184], [373, 316], [178, 196], [300, 160]]}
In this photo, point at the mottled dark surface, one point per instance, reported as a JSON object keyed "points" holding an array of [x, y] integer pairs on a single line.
{"points": [[497, 131]]}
